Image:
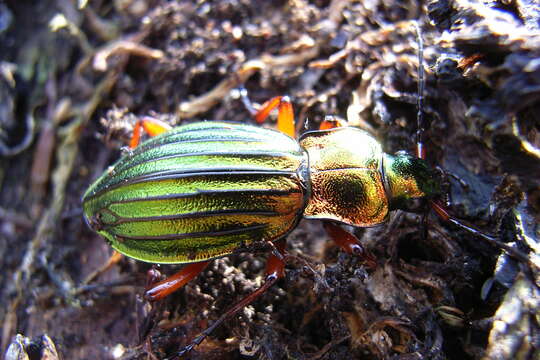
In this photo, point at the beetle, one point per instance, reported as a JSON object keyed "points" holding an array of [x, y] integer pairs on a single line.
{"points": [[208, 189]]}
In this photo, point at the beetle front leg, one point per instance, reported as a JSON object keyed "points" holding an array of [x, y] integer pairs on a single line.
{"points": [[349, 243], [152, 127], [275, 269], [445, 215]]}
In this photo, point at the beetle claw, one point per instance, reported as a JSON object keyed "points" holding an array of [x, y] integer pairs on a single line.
{"points": [[186, 349], [195, 342]]}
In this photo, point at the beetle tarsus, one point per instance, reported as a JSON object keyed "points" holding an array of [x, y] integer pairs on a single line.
{"points": [[152, 277], [188, 348], [243, 94]]}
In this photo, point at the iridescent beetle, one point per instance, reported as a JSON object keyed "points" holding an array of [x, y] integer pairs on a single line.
{"points": [[205, 190], [201, 191]]}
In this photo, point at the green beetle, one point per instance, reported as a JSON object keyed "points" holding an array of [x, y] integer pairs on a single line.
{"points": [[204, 190]]}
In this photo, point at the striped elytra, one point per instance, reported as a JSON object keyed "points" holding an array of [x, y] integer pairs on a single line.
{"points": [[204, 190], [200, 191]]}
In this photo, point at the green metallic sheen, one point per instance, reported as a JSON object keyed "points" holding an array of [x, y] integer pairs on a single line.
{"points": [[200, 191], [205, 190], [409, 177]]}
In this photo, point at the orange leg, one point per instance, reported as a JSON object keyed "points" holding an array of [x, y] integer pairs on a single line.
{"points": [[171, 284], [349, 243], [331, 122], [275, 269], [285, 114], [152, 127], [113, 259]]}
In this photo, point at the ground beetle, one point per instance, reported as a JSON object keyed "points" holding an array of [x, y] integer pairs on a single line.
{"points": [[203, 190]]}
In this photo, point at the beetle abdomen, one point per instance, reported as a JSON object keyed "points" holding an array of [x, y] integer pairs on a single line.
{"points": [[200, 191]]}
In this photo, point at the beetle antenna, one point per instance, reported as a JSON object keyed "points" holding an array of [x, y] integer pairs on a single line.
{"points": [[420, 151], [439, 209]]}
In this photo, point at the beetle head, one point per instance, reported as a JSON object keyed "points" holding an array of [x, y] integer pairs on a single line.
{"points": [[409, 177]]}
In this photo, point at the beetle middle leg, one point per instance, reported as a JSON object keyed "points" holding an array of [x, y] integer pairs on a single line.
{"points": [[349, 243], [285, 122]]}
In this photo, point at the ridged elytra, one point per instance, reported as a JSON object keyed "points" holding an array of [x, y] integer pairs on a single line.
{"points": [[200, 191], [204, 190]]}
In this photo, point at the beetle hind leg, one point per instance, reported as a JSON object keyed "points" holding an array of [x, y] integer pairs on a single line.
{"points": [[275, 269], [171, 284], [113, 259]]}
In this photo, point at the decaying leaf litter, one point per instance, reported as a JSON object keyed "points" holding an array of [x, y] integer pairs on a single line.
{"points": [[75, 78]]}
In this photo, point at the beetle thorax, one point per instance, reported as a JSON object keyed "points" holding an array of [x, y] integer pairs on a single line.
{"points": [[347, 183]]}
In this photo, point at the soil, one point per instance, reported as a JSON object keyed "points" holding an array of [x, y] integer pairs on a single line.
{"points": [[75, 77]]}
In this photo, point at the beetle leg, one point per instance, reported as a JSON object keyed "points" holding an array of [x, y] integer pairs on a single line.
{"points": [[331, 121], [286, 117], [174, 282], [275, 269], [349, 243], [285, 121], [152, 276], [242, 91], [152, 127], [113, 259]]}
